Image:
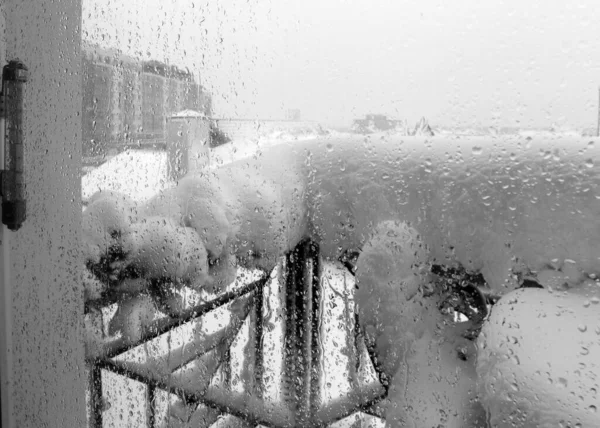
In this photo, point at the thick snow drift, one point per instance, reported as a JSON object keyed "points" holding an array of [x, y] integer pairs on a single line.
{"points": [[539, 360]]}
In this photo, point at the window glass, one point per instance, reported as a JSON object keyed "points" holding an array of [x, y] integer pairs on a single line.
{"points": [[349, 214]]}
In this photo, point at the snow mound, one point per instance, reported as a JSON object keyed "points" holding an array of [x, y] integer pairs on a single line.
{"points": [[135, 173], [538, 360]]}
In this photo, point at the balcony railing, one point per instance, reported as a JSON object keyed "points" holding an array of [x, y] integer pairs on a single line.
{"points": [[199, 372]]}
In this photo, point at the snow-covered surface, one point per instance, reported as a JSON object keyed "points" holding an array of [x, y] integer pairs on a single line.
{"points": [[136, 173], [246, 147], [188, 113], [505, 205], [540, 354], [141, 174]]}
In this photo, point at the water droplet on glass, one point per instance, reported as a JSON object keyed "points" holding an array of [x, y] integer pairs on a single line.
{"points": [[589, 163], [329, 147], [582, 328], [477, 150]]}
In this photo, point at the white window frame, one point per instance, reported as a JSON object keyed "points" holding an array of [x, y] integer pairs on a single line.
{"points": [[41, 298]]}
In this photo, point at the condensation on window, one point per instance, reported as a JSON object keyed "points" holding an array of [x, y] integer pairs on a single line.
{"points": [[340, 214]]}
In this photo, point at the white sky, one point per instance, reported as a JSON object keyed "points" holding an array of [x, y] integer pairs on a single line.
{"points": [[463, 62]]}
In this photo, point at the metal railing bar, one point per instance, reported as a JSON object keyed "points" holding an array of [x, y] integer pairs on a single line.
{"points": [[150, 406], [355, 401], [151, 370], [257, 335], [183, 355], [96, 399], [119, 369], [242, 405], [212, 360], [166, 324], [301, 374], [226, 368], [301, 341], [313, 284], [292, 349]]}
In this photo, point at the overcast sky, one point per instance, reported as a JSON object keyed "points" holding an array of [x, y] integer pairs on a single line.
{"points": [[464, 62]]}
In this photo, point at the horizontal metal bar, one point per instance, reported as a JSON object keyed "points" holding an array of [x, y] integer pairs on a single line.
{"points": [[163, 325], [163, 370], [244, 406], [176, 383], [200, 345], [150, 371]]}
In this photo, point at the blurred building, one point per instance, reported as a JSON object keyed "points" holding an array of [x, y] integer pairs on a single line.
{"points": [[126, 101], [379, 122], [375, 123]]}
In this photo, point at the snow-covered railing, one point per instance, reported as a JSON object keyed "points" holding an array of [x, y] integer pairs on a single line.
{"points": [[301, 346]]}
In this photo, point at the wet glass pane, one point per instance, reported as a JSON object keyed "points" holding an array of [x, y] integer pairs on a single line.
{"points": [[346, 214]]}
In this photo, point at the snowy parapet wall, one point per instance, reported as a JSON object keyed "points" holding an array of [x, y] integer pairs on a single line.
{"points": [[268, 130], [502, 206], [506, 207], [245, 138]]}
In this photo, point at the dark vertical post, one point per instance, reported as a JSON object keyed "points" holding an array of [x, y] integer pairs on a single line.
{"points": [[226, 366], [258, 336], [301, 374], [96, 399], [313, 281], [292, 266], [150, 406]]}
